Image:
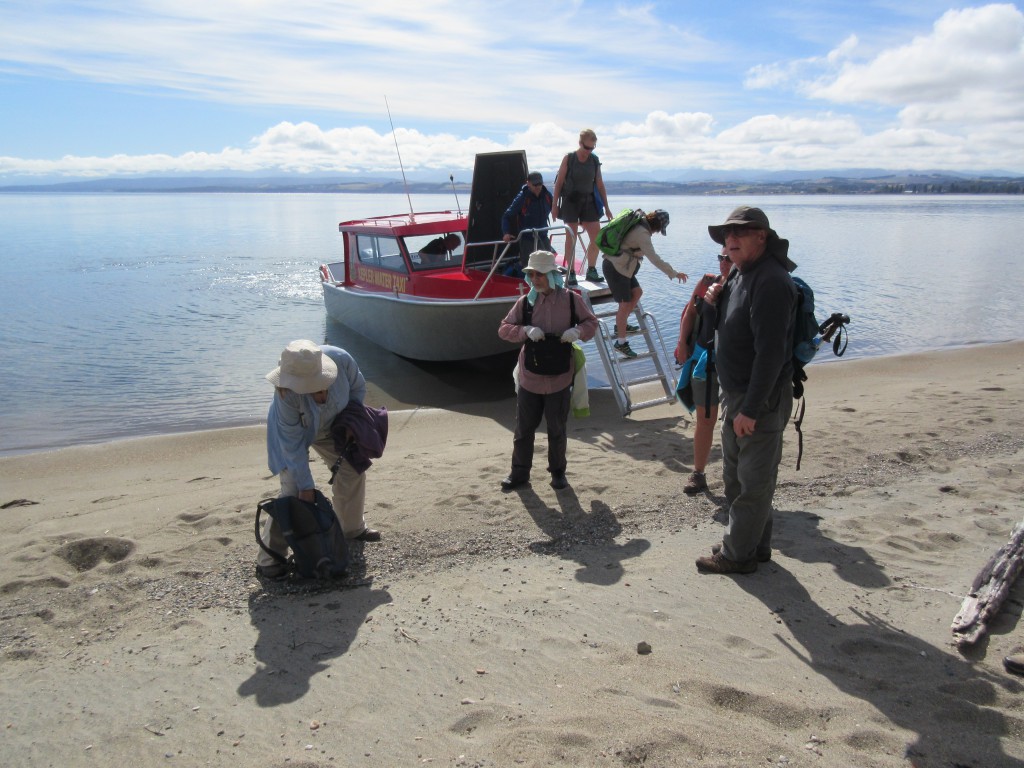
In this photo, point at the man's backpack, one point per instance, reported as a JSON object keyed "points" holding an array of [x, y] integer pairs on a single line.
{"points": [[319, 549], [807, 337], [609, 239]]}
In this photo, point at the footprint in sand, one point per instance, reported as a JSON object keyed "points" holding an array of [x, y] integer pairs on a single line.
{"points": [[86, 554], [17, 585], [747, 649]]}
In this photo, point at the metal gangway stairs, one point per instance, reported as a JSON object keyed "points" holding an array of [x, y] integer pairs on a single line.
{"points": [[627, 374]]}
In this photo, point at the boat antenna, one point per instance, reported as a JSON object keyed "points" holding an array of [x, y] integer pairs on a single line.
{"points": [[458, 205], [412, 213]]}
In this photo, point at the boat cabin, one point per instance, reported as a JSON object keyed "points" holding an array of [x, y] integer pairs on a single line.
{"points": [[440, 254]]}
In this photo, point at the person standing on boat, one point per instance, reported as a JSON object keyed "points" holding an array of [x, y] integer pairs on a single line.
{"points": [[553, 317], [577, 185], [620, 272], [527, 214], [312, 385]]}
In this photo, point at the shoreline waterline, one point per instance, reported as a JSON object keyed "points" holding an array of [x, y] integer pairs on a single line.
{"points": [[496, 409], [161, 314]]}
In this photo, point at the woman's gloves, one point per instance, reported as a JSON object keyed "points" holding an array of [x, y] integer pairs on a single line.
{"points": [[571, 335], [533, 333]]}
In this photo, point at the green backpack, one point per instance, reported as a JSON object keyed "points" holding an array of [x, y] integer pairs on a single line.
{"points": [[609, 239]]}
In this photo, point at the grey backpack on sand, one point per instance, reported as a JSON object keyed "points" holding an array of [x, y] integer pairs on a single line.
{"points": [[319, 549]]}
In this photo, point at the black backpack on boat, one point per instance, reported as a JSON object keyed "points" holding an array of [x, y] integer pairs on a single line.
{"points": [[319, 549]]}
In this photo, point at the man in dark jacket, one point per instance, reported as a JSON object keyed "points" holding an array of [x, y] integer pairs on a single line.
{"points": [[528, 212], [756, 310]]}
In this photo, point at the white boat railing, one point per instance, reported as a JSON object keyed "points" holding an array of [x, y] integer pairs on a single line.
{"points": [[498, 257]]}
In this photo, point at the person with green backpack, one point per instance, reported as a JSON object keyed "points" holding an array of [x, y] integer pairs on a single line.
{"points": [[622, 259]]}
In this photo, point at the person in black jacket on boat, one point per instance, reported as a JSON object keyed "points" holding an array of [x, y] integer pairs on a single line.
{"points": [[528, 212]]}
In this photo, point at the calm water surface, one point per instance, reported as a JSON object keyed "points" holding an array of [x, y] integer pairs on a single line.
{"points": [[144, 314]]}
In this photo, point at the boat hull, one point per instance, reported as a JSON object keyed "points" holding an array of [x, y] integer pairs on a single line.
{"points": [[421, 328]]}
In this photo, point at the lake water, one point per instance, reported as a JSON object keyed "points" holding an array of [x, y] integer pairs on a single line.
{"points": [[145, 314]]}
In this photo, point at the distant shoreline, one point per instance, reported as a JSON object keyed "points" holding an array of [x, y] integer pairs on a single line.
{"points": [[894, 184]]}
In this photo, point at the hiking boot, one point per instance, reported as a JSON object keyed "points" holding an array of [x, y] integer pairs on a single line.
{"points": [[593, 275], [695, 484], [761, 555], [273, 572], [623, 348], [719, 563], [559, 481], [514, 481], [1014, 663], [630, 328], [571, 279], [368, 534]]}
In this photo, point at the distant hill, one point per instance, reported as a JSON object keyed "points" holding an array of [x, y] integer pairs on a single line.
{"points": [[755, 183]]}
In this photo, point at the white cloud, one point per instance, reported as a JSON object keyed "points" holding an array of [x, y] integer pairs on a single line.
{"points": [[952, 98], [661, 142], [969, 70], [467, 60]]}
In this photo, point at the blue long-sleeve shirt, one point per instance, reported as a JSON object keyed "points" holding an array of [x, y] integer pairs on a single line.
{"points": [[533, 211], [296, 421]]}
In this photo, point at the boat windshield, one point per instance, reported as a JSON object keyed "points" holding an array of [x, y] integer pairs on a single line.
{"points": [[435, 251]]}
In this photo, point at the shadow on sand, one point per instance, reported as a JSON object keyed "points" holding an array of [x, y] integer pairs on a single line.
{"points": [[943, 699]]}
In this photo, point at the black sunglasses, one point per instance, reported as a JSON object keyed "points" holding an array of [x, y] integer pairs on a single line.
{"points": [[738, 230]]}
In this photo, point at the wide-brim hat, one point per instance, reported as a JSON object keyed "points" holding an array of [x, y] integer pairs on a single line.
{"points": [[542, 261], [304, 368], [744, 216], [754, 218]]}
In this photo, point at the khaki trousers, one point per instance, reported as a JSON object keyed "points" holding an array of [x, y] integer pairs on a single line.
{"points": [[348, 497]]}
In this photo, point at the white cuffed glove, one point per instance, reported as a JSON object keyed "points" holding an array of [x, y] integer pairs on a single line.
{"points": [[571, 335], [533, 333]]}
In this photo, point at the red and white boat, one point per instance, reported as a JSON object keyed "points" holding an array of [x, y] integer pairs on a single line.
{"points": [[391, 289]]}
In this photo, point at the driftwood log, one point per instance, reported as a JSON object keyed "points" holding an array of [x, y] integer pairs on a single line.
{"points": [[989, 589]]}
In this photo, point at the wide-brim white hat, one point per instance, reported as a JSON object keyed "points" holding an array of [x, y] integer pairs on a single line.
{"points": [[304, 368], [542, 261]]}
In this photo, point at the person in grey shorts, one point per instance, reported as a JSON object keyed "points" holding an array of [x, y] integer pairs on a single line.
{"points": [[620, 272], [578, 183]]}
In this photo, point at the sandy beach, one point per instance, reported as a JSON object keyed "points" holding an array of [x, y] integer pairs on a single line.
{"points": [[505, 629]]}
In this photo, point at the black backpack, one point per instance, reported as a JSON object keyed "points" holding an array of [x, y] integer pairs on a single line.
{"points": [[319, 549], [549, 356], [808, 335]]}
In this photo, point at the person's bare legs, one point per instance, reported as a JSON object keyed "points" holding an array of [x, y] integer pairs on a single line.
{"points": [[625, 310], [703, 436], [592, 228], [570, 245]]}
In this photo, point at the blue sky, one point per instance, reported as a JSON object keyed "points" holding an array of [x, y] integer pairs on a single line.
{"points": [[113, 87]]}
